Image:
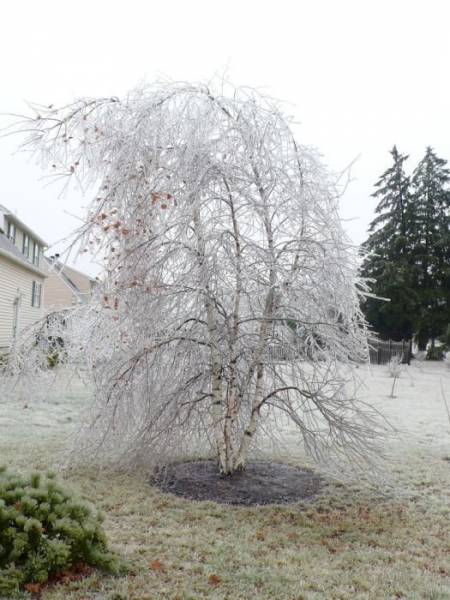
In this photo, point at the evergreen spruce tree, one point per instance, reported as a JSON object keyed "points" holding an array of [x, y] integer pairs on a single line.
{"points": [[388, 258], [430, 245]]}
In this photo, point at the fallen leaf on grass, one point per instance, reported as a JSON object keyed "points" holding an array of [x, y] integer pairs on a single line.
{"points": [[156, 565], [33, 588], [214, 580], [78, 572]]}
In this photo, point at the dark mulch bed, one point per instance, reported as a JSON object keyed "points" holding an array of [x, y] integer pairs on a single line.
{"points": [[261, 483]]}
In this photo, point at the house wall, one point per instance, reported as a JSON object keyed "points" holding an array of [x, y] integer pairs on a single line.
{"points": [[17, 281], [82, 282], [58, 294]]}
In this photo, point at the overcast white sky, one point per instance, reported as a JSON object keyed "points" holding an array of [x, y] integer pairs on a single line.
{"points": [[359, 76]]}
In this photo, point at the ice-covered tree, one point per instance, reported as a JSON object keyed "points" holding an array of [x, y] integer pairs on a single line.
{"points": [[230, 297]]}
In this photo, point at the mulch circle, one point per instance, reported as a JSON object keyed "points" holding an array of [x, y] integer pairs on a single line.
{"points": [[261, 483]]}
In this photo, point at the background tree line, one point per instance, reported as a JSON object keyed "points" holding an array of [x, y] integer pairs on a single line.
{"points": [[407, 253]]}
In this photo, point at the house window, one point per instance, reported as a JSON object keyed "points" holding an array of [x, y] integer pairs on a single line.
{"points": [[36, 251], [26, 245], [12, 232], [36, 293]]}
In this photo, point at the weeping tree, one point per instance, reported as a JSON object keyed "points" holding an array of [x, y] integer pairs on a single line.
{"points": [[230, 295]]}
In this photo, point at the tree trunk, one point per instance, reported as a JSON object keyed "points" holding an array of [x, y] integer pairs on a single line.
{"points": [[422, 341], [222, 440]]}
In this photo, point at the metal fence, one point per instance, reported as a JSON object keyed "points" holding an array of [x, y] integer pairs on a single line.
{"points": [[279, 353], [381, 352]]}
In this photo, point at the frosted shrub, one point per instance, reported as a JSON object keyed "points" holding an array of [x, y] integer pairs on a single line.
{"points": [[395, 366]]}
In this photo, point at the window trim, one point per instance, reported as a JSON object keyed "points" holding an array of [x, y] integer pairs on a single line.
{"points": [[12, 228], [26, 247], [36, 254], [36, 294]]}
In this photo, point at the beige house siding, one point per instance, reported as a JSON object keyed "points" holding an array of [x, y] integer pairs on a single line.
{"points": [[16, 282], [59, 294], [83, 283]]}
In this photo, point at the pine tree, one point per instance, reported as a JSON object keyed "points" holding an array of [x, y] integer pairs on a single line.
{"points": [[389, 229], [387, 260], [430, 244]]}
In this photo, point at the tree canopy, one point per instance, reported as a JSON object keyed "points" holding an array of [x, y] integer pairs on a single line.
{"points": [[408, 251], [231, 299]]}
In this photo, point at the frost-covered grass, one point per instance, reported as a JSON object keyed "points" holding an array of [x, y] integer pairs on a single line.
{"points": [[356, 540]]}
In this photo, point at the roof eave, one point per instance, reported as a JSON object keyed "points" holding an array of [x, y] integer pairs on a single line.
{"points": [[59, 267], [24, 264], [12, 217]]}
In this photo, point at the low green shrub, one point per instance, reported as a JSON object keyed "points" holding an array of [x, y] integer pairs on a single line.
{"points": [[435, 353], [53, 359], [445, 339], [45, 530]]}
